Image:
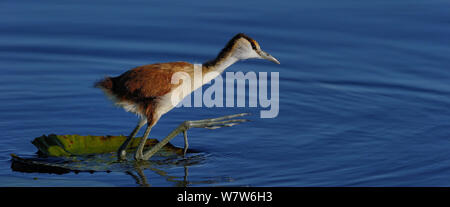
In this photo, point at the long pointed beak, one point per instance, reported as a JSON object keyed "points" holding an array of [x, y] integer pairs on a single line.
{"points": [[266, 56]]}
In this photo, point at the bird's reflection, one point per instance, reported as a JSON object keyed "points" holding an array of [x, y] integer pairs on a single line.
{"points": [[142, 180], [139, 168], [108, 163]]}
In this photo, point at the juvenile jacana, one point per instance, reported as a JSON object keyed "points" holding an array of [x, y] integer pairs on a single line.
{"points": [[147, 91]]}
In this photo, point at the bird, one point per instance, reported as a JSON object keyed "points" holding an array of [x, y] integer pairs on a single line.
{"points": [[145, 90]]}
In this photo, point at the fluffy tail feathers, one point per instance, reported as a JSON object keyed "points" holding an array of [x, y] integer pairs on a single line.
{"points": [[106, 83]]}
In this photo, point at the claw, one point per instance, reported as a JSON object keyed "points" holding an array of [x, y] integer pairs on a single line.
{"points": [[205, 123], [222, 118], [216, 125]]}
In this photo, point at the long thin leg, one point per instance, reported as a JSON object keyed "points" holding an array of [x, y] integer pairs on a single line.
{"points": [[121, 153], [206, 123], [140, 149], [186, 144]]}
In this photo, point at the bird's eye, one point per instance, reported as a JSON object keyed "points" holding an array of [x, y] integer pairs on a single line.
{"points": [[253, 46]]}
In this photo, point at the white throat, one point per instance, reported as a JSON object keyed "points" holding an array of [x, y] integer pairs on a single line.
{"points": [[241, 50], [225, 63]]}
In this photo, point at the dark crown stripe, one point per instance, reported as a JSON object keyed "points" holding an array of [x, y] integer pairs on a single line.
{"points": [[227, 49]]}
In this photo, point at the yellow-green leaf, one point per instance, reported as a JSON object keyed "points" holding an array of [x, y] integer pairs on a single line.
{"points": [[67, 145]]}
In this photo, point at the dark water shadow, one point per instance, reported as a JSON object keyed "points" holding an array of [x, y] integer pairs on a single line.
{"points": [[108, 163]]}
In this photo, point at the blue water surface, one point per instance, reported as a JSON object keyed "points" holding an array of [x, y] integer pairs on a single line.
{"points": [[364, 88]]}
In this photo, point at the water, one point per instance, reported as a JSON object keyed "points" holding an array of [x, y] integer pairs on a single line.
{"points": [[364, 88]]}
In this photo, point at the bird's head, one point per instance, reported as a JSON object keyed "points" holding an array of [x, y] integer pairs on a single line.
{"points": [[243, 47]]}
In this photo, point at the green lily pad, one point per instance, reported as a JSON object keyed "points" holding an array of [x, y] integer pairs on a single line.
{"points": [[70, 145]]}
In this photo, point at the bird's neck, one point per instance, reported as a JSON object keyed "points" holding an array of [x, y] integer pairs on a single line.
{"points": [[220, 63]]}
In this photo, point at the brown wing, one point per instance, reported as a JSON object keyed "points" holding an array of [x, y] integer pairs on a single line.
{"points": [[144, 83]]}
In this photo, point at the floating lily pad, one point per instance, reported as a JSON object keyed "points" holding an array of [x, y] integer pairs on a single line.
{"points": [[74, 153], [69, 145], [98, 163], [30, 165]]}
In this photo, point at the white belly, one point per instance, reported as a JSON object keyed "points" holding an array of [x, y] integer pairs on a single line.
{"points": [[173, 98]]}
